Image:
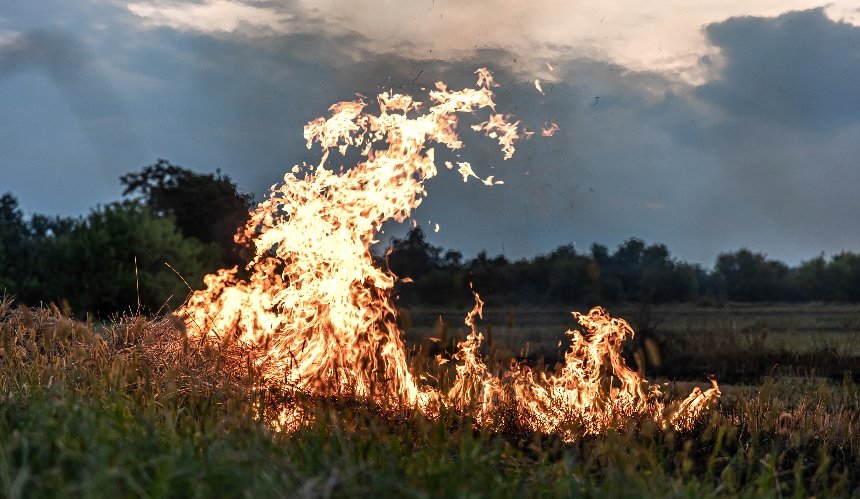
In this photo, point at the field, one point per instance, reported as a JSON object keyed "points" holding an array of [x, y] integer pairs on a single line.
{"points": [[130, 409], [737, 342]]}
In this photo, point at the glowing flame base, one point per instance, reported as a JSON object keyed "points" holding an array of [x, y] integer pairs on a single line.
{"points": [[321, 311]]}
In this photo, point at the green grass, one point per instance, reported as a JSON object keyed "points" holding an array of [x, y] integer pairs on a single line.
{"points": [[133, 411]]}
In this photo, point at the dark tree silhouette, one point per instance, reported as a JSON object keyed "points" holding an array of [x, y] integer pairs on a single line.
{"points": [[413, 256], [14, 244], [207, 207], [748, 276]]}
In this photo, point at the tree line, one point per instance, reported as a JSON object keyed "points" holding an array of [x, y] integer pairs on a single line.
{"points": [[634, 272], [146, 252]]}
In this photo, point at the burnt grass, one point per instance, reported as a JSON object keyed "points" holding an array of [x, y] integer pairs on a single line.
{"points": [[130, 409]]}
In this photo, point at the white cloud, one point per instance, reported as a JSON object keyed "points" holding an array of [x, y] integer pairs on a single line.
{"points": [[6, 36], [643, 36], [213, 16]]}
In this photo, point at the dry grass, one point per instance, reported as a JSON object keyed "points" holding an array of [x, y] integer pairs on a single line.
{"points": [[135, 409]]}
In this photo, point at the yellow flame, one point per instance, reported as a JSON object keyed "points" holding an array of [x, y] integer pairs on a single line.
{"points": [[321, 311]]}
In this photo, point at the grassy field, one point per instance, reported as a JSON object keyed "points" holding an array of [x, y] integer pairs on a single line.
{"points": [[735, 343], [132, 410]]}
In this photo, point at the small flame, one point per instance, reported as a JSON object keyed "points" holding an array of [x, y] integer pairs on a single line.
{"points": [[498, 127], [549, 129], [319, 310], [485, 78]]}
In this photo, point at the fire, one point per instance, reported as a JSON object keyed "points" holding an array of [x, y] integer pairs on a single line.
{"points": [[320, 312], [549, 129]]}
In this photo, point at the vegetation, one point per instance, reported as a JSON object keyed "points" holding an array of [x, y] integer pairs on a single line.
{"points": [[736, 343], [122, 233], [206, 207], [174, 216], [133, 410], [130, 406], [140, 254], [634, 273]]}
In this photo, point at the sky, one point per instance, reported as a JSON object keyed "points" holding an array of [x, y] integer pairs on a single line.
{"points": [[709, 128]]}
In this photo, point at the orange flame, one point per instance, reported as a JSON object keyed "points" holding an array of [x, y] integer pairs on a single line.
{"points": [[321, 311], [549, 129]]}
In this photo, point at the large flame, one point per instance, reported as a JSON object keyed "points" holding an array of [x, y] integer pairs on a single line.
{"points": [[321, 311]]}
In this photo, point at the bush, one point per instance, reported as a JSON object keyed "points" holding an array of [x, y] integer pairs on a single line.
{"points": [[118, 255]]}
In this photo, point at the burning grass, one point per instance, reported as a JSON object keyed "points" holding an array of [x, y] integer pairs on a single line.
{"points": [[137, 409], [321, 314]]}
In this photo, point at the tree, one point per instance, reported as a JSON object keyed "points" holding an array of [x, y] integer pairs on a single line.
{"points": [[569, 281], [843, 277], [748, 276], [119, 255], [607, 281], [14, 245], [664, 279], [452, 258], [413, 256], [812, 280], [207, 207], [490, 277]]}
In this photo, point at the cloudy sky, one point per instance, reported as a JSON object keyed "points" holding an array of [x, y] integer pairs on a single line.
{"points": [[708, 127]]}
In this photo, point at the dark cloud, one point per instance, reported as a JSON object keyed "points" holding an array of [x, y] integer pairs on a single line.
{"points": [[734, 162], [74, 72], [60, 54], [637, 154], [779, 132], [800, 69]]}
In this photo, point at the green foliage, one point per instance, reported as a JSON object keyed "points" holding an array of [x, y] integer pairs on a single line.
{"points": [[634, 273], [118, 251], [113, 260], [836, 280], [116, 259], [413, 256]]}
